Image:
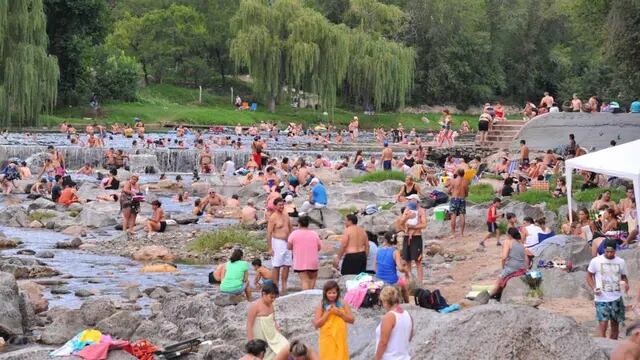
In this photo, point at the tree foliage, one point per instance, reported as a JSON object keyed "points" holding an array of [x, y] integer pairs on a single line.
{"points": [[284, 43], [28, 75]]}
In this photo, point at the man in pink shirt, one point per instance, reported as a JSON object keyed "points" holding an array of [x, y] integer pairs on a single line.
{"points": [[305, 245]]}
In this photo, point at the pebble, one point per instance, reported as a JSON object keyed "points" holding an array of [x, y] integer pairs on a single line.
{"points": [[94, 281], [437, 259], [26, 252], [133, 293], [45, 254], [60, 291], [460, 258]]}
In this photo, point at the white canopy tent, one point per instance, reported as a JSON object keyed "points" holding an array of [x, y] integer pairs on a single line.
{"points": [[619, 161]]}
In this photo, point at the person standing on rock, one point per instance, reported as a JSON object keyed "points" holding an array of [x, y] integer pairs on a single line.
{"points": [[629, 349], [278, 230], [395, 331], [607, 276], [459, 189], [130, 205], [354, 246], [387, 157], [332, 317], [305, 246], [261, 322], [413, 244]]}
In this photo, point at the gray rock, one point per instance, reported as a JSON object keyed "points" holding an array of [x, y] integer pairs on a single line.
{"points": [[591, 130], [10, 314], [14, 216], [159, 332], [158, 293], [523, 210], [83, 293], [65, 325], [120, 355], [73, 244], [121, 324], [60, 290], [96, 216], [349, 173], [95, 310], [26, 268], [575, 250], [558, 283], [516, 288], [185, 218], [228, 300], [437, 259], [45, 254], [133, 293], [41, 203], [25, 252], [35, 352], [77, 207], [7, 243], [50, 225]]}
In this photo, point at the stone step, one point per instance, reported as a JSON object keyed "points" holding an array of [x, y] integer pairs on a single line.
{"points": [[507, 127]]}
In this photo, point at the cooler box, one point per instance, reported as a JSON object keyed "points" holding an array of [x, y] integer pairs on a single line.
{"points": [[439, 214]]}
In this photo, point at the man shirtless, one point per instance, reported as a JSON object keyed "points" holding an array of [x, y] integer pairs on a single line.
{"points": [[278, 230], [459, 189], [629, 348], [354, 246], [576, 103], [205, 162], [249, 214], [547, 100], [387, 156], [605, 200], [303, 173], [212, 201]]}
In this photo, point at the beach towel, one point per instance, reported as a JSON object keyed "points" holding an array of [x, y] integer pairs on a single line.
{"points": [[265, 329], [332, 342]]}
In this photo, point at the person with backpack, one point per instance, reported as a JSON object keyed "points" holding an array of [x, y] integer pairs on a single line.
{"points": [[389, 262], [395, 331], [332, 317]]}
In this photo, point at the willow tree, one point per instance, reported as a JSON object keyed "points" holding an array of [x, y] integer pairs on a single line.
{"points": [[380, 71], [28, 75], [282, 43]]}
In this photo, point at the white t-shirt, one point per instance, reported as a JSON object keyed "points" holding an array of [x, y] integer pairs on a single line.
{"points": [[608, 273], [532, 235], [229, 168], [371, 259]]}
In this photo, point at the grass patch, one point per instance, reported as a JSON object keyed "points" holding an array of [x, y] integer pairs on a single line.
{"points": [[211, 242], [40, 216], [481, 193], [346, 211], [533, 197], [379, 176], [162, 103], [590, 195]]}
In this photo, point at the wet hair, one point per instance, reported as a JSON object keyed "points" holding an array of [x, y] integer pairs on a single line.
{"points": [[270, 289], [572, 137], [178, 178], [115, 197], [303, 221], [460, 172], [390, 238], [256, 347], [236, 255], [156, 203], [514, 233], [352, 218], [256, 262], [529, 219], [50, 147], [329, 285], [24, 163], [297, 348], [197, 202]]}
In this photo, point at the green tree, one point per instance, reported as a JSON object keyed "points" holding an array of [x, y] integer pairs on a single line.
{"points": [[164, 40], [28, 75], [373, 16], [71, 38]]}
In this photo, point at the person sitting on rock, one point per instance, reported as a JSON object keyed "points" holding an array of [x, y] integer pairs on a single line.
{"points": [[111, 182], [156, 223], [235, 276], [212, 201], [68, 195], [514, 260], [408, 188], [249, 214], [233, 201], [261, 322]]}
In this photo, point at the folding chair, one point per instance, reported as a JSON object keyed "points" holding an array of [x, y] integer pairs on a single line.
{"points": [[513, 165]]}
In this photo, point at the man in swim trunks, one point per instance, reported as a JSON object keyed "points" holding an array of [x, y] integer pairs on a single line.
{"points": [[387, 156], [459, 189], [278, 230], [354, 245]]}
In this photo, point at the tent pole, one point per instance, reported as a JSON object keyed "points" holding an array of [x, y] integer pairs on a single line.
{"points": [[636, 194], [569, 177]]}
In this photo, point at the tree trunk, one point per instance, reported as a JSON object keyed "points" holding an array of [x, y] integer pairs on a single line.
{"points": [[146, 74], [272, 104], [220, 66]]}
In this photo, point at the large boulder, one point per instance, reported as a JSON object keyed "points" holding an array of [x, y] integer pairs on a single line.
{"points": [[26, 268], [14, 216], [65, 325], [41, 203], [95, 310], [185, 218], [349, 173], [36, 352], [34, 296], [557, 283], [99, 215], [90, 191], [10, 314], [121, 324], [575, 250], [153, 252], [389, 188], [200, 188], [382, 221], [523, 210], [327, 176]]}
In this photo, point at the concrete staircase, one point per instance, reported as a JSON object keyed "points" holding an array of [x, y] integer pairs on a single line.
{"points": [[502, 134]]}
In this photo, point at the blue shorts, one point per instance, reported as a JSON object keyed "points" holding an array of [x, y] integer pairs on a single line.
{"points": [[458, 206], [612, 310], [386, 164], [237, 292]]}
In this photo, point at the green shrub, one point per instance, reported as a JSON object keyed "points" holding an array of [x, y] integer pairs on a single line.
{"points": [[221, 238], [481, 193], [590, 195], [379, 176], [534, 197], [40, 216], [346, 211]]}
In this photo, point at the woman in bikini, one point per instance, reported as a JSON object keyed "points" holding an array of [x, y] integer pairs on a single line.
{"points": [[130, 204]]}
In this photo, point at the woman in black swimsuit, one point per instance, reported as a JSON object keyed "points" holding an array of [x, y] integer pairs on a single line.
{"points": [[409, 188], [409, 160]]}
